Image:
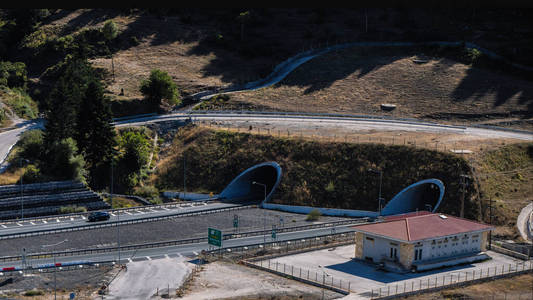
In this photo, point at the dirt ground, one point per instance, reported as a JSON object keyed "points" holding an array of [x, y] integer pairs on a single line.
{"points": [[518, 287], [247, 283]]}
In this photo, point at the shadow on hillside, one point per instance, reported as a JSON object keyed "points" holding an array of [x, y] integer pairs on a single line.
{"points": [[87, 18], [218, 32], [477, 84]]}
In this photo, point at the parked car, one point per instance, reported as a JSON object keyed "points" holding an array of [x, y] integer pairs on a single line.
{"points": [[98, 216]]}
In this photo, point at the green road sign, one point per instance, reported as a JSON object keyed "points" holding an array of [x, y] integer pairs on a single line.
{"points": [[235, 221], [214, 237], [273, 232]]}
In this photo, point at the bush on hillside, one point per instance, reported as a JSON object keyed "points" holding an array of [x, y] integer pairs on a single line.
{"points": [[160, 86]]}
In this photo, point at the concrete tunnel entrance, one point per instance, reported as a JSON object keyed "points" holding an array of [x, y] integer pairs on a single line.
{"points": [[252, 184], [423, 195]]}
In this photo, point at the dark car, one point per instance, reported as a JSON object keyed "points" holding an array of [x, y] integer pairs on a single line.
{"points": [[98, 216]]}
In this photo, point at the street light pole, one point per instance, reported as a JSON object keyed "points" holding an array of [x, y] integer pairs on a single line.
{"points": [[118, 211], [380, 182], [264, 214], [22, 191]]}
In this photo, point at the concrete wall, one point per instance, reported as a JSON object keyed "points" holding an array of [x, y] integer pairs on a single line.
{"points": [[359, 245], [324, 211]]}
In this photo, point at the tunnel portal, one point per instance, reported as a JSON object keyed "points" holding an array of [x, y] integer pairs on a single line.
{"points": [[423, 195], [257, 183]]}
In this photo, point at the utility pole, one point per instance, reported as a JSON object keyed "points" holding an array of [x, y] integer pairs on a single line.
{"points": [[184, 187], [464, 183], [490, 222]]}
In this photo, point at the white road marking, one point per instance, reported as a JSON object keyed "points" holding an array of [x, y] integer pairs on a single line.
{"points": [[19, 224], [148, 257], [4, 226]]}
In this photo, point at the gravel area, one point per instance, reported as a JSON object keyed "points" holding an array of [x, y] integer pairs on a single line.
{"points": [[81, 282], [165, 230]]}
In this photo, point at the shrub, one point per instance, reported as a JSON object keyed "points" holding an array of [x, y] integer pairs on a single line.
{"points": [[33, 293], [110, 30], [70, 209], [160, 86], [31, 144], [313, 215], [13, 75]]}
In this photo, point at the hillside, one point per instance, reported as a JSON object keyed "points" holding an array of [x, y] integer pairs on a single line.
{"points": [[314, 173], [214, 48], [434, 83]]}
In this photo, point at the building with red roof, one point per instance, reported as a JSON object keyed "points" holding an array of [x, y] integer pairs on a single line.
{"points": [[421, 241]]}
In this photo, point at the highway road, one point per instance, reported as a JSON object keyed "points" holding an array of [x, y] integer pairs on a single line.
{"points": [[189, 250], [77, 221]]}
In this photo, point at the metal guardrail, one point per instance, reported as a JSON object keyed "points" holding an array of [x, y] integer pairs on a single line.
{"points": [[115, 210], [185, 241], [122, 222]]}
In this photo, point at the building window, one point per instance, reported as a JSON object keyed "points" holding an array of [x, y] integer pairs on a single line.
{"points": [[369, 238], [418, 254], [393, 253]]}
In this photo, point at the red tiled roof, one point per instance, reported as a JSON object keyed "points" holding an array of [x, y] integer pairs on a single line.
{"points": [[411, 227]]}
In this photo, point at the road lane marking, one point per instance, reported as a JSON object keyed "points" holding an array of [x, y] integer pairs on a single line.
{"points": [[4, 226], [45, 222], [19, 224], [32, 223], [149, 258]]}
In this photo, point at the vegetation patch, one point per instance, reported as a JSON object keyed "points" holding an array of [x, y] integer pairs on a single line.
{"points": [[505, 177]]}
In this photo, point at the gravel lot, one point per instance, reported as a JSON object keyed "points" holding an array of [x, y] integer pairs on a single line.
{"points": [[81, 282], [174, 229]]}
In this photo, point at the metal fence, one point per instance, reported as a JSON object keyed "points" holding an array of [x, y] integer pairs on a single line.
{"points": [[454, 279], [404, 288], [406, 139], [123, 222]]}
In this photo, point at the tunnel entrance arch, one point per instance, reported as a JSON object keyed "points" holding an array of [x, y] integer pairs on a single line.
{"points": [[423, 195], [257, 183]]}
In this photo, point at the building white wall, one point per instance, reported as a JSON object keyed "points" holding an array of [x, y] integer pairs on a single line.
{"points": [[379, 248], [457, 245]]}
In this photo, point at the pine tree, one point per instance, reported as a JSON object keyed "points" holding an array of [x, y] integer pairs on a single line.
{"points": [[95, 133]]}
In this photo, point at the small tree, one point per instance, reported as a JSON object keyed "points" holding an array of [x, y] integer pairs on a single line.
{"points": [[110, 30], [160, 86]]}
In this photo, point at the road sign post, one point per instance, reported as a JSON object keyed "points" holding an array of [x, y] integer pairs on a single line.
{"points": [[214, 237], [236, 222]]}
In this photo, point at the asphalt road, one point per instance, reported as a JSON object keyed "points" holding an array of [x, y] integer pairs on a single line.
{"points": [[12, 228], [189, 250]]}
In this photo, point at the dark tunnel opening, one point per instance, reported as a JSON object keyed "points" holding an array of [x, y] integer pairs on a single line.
{"points": [[253, 184], [420, 196]]}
